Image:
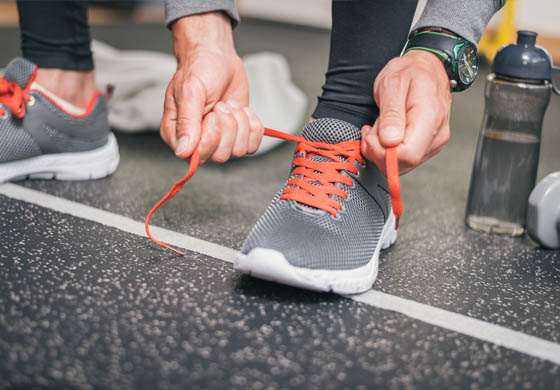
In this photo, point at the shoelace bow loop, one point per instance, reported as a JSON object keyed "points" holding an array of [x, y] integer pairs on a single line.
{"points": [[316, 184], [13, 97]]}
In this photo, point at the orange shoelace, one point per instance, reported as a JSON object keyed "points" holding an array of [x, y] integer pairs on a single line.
{"points": [[13, 97], [315, 184]]}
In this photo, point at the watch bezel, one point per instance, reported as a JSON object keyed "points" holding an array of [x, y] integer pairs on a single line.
{"points": [[461, 84]]}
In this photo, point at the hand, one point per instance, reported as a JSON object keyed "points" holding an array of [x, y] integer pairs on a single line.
{"points": [[206, 103], [414, 100]]}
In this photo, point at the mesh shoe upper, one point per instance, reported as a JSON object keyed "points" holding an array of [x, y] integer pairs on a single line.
{"points": [[16, 144], [313, 238], [46, 128], [20, 71]]}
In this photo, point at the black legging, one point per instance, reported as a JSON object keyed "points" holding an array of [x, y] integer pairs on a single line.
{"points": [[55, 34], [366, 34]]}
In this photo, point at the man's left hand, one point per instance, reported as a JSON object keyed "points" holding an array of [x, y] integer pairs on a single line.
{"points": [[414, 100]]}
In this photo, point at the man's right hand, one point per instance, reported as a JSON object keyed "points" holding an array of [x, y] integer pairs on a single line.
{"points": [[207, 101]]}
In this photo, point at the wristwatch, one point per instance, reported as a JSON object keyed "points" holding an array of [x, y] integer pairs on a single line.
{"points": [[459, 56]]}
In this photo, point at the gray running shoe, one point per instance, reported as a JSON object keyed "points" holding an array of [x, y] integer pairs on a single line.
{"points": [[39, 139], [325, 228]]}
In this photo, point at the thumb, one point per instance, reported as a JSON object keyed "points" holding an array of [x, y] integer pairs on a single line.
{"points": [[190, 109], [392, 116]]}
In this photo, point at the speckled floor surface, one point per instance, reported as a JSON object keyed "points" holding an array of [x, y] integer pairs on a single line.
{"points": [[87, 306]]}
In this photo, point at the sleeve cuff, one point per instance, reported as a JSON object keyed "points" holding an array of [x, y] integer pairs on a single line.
{"points": [[176, 9], [466, 18]]}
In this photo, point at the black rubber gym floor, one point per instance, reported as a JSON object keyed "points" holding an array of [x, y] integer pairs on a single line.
{"points": [[88, 306]]}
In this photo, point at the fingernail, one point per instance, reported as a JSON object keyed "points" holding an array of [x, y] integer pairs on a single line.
{"points": [[233, 103], [391, 133], [182, 145], [223, 107], [366, 129]]}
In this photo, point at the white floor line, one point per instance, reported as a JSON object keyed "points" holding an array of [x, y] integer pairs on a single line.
{"points": [[495, 334], [117, 221]]}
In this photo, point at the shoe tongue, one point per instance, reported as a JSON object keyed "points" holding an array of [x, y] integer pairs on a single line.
{"points": [[331, 131], [20, 71]]}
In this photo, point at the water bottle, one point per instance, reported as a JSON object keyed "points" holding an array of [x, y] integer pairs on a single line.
{"points": [[507, 155]]}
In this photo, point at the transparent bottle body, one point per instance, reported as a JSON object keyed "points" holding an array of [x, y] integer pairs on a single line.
{"points": [[507, 155]]}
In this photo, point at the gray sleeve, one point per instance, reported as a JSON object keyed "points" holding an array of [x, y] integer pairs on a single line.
{"points": [[468, 18], [175, 9]]}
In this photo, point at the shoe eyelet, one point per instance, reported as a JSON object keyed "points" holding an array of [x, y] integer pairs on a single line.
{"points": [[31, 101], [5, 115]]}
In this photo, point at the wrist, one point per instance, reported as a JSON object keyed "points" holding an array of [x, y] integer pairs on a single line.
{"points": [[431, 59], [208, 31], [430, 63]]}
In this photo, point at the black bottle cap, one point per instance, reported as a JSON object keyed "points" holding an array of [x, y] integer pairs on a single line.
{"points": [[523, 60]]}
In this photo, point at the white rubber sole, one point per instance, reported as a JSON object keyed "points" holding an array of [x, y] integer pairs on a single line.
{"points": [[270, 264], [92, 164]]}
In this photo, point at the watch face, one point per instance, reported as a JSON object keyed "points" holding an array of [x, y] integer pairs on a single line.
{"points": [[467, 64]]}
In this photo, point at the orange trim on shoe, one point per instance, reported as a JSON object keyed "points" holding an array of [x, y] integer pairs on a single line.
{"points": [[315, 185], [88, 110], [32, 78]]}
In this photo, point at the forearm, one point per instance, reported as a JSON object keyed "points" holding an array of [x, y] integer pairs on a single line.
{"points": [[176, 9], [466, 18]]}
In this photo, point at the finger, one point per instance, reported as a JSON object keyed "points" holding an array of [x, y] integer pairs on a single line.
{"points": [[434, 152], [210, 138], [242, 137], [439, 141], [256, 130], [372, 148], [228, 131], [169, 118], [391, 95], [363, 145], [190, 98], [424, 124], [444, 134]]}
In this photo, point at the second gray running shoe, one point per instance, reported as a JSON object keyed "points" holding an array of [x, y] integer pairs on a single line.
{"points": [[40, 139], [325, 228]]}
